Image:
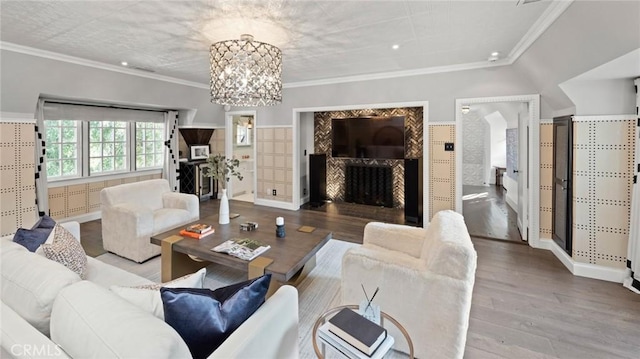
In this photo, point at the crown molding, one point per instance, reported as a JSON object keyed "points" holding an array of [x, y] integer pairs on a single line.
{"points": [[548, 17], [395, 74], [95, 64]]}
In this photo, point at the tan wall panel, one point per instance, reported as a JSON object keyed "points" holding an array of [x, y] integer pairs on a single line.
{"points": [[546, 179], [442, 167], [84, 198], [275, 153], [602, 177], [17, 177]]}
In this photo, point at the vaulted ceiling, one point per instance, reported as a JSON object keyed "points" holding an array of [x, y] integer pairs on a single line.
{"points": [[319, 39]]}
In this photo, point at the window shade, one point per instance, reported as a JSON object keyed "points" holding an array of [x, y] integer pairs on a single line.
{"points": [[61, 111]]}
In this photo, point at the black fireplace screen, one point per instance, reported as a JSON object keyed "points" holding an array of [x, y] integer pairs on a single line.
{"points": [[372, 185]]}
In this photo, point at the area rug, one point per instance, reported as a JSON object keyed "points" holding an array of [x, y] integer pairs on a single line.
{"points": [[317, 293]]}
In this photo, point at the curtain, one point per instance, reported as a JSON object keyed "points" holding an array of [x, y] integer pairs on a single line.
{"points": [[42, 189], [171, 171], [633, 254]]}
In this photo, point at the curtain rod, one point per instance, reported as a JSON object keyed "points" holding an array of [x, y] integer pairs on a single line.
{"points": [[105, 106]]}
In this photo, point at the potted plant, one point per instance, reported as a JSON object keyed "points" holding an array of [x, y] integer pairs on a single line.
{"points": [[222, 169]]}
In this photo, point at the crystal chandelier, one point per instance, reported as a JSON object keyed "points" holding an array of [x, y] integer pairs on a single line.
{"points": [[246, 73]]}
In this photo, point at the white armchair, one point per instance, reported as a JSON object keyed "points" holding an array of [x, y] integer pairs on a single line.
{"points": [[426, 279], [133, 212]]}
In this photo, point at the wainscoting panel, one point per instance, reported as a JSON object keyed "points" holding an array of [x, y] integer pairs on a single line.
{"points": [[17, 177], [546, 179], [275, 160], [603, 175], [79, 199], [336, 167], [442, 174]]}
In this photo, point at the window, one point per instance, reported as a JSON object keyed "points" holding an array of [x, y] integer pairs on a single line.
{"points": [[149, 145], [62, 149], [88, 140], [107, 146]]}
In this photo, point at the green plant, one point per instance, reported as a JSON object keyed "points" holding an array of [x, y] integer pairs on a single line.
{"points": [[222, 169]]}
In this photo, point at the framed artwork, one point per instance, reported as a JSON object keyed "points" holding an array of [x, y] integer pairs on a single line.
{"points": [[199, 152]]}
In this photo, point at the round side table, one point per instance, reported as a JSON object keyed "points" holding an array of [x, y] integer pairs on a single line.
{"points": [[384, 316]]}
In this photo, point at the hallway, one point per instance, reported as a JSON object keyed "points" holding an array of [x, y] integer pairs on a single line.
{"points": [[488, 215]]}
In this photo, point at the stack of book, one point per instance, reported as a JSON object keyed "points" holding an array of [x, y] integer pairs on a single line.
{"points": [[197, 231], [355, 336]]}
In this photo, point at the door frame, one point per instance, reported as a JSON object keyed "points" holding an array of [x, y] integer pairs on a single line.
{"points": [[228, 146], [533, 169], [568, 240]]}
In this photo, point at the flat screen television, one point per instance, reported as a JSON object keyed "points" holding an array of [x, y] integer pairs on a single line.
{"points": [[368, 137]]}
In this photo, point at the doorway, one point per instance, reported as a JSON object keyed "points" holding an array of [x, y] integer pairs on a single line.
{"points": [[492, 189], [241, 145], [528, 161]]}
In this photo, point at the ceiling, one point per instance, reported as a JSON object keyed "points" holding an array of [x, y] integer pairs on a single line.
{"points": [[319, 39]]}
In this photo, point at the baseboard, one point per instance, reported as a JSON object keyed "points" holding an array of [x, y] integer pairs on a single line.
{"points": [[275, 204], [82, 218], [511, 202], [587, 270]]}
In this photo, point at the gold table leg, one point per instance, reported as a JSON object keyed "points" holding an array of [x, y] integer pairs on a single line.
{"points": [[176, 264]]}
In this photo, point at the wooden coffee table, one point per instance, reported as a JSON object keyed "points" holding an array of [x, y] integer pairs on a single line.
{"points": [[288, 260]]}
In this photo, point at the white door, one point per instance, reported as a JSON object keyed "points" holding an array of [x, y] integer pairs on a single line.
{"points": [[522, 171]]}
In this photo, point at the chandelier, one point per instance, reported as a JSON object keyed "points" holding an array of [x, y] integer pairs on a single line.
{"points": [[246, 73]]}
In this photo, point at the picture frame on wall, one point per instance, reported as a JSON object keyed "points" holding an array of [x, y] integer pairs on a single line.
{"points": [[199, 152]]}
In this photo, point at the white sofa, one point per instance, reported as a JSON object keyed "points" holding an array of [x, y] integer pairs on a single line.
{"points": [[133, 212], [426, 279], [48, 311]]}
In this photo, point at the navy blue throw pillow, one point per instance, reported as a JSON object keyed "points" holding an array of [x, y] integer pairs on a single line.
{"points": [[205, 318], [37, 235], [45, 222]]}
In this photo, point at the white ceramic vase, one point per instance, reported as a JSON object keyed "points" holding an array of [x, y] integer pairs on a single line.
{"points": [[223, 215]]}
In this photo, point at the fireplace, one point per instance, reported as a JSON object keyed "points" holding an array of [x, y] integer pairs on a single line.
{"points": [[367, 184]]}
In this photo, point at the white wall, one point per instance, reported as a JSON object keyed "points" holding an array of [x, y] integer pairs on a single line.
{"points": [[586, 35], [602, 97], [440, 90], [26, 77]]}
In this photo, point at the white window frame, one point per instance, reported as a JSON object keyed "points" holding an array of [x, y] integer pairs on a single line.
{"points": [[79, 152], [134, 144], [86, 155]]}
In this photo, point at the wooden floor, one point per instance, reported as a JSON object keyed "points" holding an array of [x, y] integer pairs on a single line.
{"points": [[526, 304], [488, 215]]}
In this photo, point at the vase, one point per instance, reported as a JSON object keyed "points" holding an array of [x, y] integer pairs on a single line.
{"points": [[223, 215]]}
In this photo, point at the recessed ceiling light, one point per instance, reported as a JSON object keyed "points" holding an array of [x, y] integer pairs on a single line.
{"points": [[124, 63], [495, 53], [395, 46]]}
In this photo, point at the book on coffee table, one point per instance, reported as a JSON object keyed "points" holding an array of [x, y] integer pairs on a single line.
{"points": [[200, 228], [243, 248], [186, 233]]}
